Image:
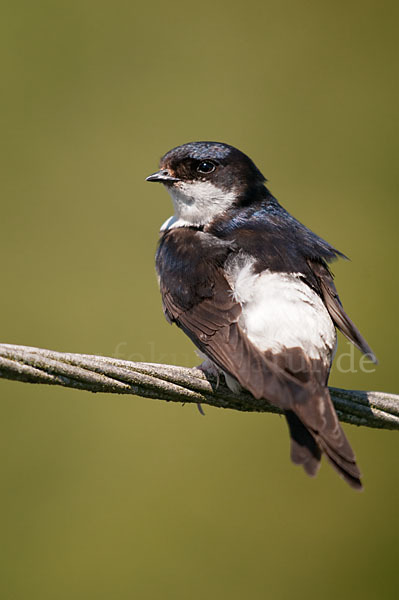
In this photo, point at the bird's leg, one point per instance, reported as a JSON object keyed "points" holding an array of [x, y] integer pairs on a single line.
{"points": [[209, 368]]}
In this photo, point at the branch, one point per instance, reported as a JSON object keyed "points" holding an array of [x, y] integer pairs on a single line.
{"points": [[171, 383]]}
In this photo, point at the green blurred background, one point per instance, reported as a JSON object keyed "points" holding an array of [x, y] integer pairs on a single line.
{"points": [[121, 497]]}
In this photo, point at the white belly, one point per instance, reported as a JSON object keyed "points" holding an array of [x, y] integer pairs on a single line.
{"points": [[281, 311]]}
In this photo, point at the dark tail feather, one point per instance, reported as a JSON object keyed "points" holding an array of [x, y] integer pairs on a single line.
{"points": [[348, 469], [314, 428], [304, 450]]}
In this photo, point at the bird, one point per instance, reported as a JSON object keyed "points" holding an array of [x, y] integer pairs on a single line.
{"points": [[251, 287]]}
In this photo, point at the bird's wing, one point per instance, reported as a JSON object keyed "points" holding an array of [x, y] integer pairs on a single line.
{"points": [[212, 324], [336, 310]]}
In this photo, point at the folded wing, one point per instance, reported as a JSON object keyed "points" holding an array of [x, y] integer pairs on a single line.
{"points": [[335, 308], [212, 324]]}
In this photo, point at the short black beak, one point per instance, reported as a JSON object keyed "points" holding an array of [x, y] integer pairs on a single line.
{"points": [[162, 176]]}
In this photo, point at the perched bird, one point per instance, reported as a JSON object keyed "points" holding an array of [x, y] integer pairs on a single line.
{"points": [[251, 288]]}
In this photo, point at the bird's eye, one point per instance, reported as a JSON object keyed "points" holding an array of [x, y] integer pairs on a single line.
{"points": [[206, 166]]}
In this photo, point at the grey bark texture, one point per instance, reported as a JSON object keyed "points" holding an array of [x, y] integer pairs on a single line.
{"points": [[173, 383]]}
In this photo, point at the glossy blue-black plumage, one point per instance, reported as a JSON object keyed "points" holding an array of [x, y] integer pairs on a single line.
{"points": [[275, 239]]}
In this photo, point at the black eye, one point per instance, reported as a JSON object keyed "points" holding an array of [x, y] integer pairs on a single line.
{"points": [[206, 166]]}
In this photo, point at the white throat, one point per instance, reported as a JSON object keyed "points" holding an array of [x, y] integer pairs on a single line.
{"points": [[197, 203]]}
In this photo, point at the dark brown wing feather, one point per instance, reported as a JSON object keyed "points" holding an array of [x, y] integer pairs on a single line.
{"points": [[335, 308], [212, 324]]}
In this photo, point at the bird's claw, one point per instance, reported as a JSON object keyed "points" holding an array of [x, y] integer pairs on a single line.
{"points": [[209, 368]]}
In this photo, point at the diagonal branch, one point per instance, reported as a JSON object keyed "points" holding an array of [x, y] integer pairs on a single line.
{"points": [[172, 383]]}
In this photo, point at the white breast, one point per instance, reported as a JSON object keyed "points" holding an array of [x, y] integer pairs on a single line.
{"points": [[281, 311]]}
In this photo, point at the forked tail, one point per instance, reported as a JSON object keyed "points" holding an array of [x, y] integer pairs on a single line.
{"points": [[314, 429]]}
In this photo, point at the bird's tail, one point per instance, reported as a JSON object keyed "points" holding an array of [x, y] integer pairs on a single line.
{"points": [[314, 429]]}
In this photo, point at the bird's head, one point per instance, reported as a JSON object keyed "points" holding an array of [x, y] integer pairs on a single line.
{"points": [[205, 179]]}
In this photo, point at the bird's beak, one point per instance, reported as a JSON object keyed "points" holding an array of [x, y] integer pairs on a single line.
{"points": [[162, 176]]}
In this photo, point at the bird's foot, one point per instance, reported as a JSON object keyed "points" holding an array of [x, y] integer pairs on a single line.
{"points": [[210, 369]]}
